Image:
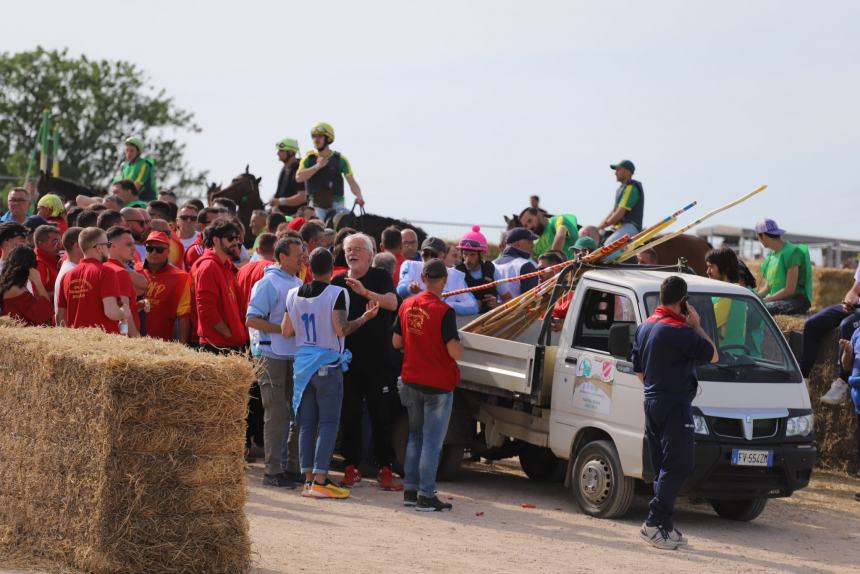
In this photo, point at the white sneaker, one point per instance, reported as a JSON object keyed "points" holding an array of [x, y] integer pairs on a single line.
{"points": [[837, 393], [657, 537], [676, 537]]}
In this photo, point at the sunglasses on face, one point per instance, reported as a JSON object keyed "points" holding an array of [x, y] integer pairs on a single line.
{"points": [[429, 254], [155, 249], [106, 244], [231, 239], [188, 217]]}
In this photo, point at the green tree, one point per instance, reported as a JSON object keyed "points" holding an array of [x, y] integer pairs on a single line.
{"points": [[95, 105]]}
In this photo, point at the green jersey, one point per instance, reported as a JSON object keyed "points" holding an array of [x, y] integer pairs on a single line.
{"points": [[142, 172], [544, 242], [776, 265]]}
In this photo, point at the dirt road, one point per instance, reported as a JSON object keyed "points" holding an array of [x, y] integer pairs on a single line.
{"points": [[817, 530]]}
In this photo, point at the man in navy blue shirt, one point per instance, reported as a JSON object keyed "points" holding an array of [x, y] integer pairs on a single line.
{"points": [[667, 348]]}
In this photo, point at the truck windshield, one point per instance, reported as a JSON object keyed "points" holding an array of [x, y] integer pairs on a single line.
{"points": [[751, 347]]}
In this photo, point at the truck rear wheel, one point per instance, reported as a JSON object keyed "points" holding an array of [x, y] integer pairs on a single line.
{"points": [[742, 510], [450, 460], [598, 484], [541, 464]]}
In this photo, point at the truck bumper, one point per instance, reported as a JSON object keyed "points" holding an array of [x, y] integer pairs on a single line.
{"points": [[715, 477]]}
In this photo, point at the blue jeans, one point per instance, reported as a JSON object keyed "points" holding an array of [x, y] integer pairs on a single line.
{"points": [[818, 327], [428, 425], [796, 305], [319, 415], [625, 229], [324, 212]]}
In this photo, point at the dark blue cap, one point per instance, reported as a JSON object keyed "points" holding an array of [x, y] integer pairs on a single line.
{"points": [[519, 233]]}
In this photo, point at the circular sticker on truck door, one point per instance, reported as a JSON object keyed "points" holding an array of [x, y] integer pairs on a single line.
{"points": [[592, 390]]}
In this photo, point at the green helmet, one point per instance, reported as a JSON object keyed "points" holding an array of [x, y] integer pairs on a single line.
{"points": [[287, 144], [323, 129], [136, 142]]}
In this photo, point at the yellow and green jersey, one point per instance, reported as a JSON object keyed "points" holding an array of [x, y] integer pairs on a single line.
{"points": [[142, 172], [544, 242]]}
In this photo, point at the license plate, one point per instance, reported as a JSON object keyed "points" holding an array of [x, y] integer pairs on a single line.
{"points": [[742, 457]]}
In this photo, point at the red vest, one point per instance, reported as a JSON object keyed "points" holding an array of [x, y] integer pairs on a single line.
{"points": [[425, 356]]}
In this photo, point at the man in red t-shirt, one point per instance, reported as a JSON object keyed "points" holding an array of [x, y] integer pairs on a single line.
{"points": [[252, 272], [426, 330], [168, 293], [120, 254], [47, 241], [89, 292], [205, 218], [392, 242], [220, 312]]}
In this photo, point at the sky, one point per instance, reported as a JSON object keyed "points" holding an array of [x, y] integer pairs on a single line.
{"points": [[458, 111]]}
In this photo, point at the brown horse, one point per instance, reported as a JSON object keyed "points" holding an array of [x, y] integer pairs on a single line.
{"points": [[689, 248], [68, 190], [244, 190]]}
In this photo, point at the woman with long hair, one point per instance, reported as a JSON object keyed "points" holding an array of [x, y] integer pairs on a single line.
{"points": [[15, 300]]}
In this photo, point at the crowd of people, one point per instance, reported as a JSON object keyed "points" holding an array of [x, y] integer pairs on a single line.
{"points": [[345, 326]]}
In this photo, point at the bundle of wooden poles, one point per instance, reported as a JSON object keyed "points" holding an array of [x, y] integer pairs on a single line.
{"points": [[511, 319]]}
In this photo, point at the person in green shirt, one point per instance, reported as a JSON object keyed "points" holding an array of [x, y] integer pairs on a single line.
{"points": [[555, 233], [138, 169], [786, 272], [730, 312]]}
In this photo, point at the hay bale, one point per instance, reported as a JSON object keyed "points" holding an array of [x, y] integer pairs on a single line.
{"points": [[834, 425], [122, 455]]}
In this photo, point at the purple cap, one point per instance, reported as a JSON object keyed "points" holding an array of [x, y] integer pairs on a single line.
{"points": [[519, 233], [769, 226]]}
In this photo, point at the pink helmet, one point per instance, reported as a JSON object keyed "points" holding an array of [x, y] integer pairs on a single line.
{"points": [[474, 241]]}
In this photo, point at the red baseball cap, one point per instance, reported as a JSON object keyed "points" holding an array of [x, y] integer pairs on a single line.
{"points": [[158, 237], [297, 223]]}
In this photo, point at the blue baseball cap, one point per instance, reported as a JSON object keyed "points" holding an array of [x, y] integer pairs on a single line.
{"points": [[518, 234], [769, 226]]}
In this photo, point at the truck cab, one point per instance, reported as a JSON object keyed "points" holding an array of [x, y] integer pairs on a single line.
{"points": [[572, 398]]}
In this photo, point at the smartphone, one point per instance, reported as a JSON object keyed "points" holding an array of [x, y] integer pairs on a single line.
{"points": [[684, 309]]}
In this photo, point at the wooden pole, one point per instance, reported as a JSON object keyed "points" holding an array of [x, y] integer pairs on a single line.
{"points": [[665, 238]]}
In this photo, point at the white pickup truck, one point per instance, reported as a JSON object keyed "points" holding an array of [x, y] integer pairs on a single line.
{"points": [[569, 401]]}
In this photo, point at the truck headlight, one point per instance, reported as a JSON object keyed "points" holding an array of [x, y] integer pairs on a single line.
{"points": [[799, 426], [700, 425]]}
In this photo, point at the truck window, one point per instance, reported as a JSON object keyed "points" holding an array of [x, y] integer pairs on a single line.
{"points": [[750, 345], [600, 311]]}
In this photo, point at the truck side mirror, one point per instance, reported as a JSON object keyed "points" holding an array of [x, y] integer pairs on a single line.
{"points": [[621, 339]]}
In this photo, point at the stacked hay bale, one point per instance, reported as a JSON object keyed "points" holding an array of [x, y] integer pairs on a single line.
{"points": [[834, 425], [121, 455]]}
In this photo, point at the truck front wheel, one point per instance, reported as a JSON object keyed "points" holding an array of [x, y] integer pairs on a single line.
{"points": [[599, 486], [742, 510]]}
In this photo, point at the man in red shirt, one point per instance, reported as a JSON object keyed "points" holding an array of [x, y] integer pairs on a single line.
{"points": [[392, 242], [89, 292], [168, 293], [252, 272], [205, 218], [120, 255], [47, 241], [426, 330], [220, 312]]}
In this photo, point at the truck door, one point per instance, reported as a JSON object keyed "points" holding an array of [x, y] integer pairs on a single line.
{"points": [[594, 383]]}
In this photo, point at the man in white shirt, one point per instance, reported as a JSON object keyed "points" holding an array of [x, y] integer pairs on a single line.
{"points": [[410, 282]]}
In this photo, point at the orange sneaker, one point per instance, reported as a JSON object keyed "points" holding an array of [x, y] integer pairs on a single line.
{"points": [[351, 477], [386, 480]]}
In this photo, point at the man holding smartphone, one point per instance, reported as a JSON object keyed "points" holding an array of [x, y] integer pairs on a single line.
{"points": [[666, 350]]}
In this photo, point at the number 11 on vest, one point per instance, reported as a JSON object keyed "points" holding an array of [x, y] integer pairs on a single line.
{"points": [[309, 319]]}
